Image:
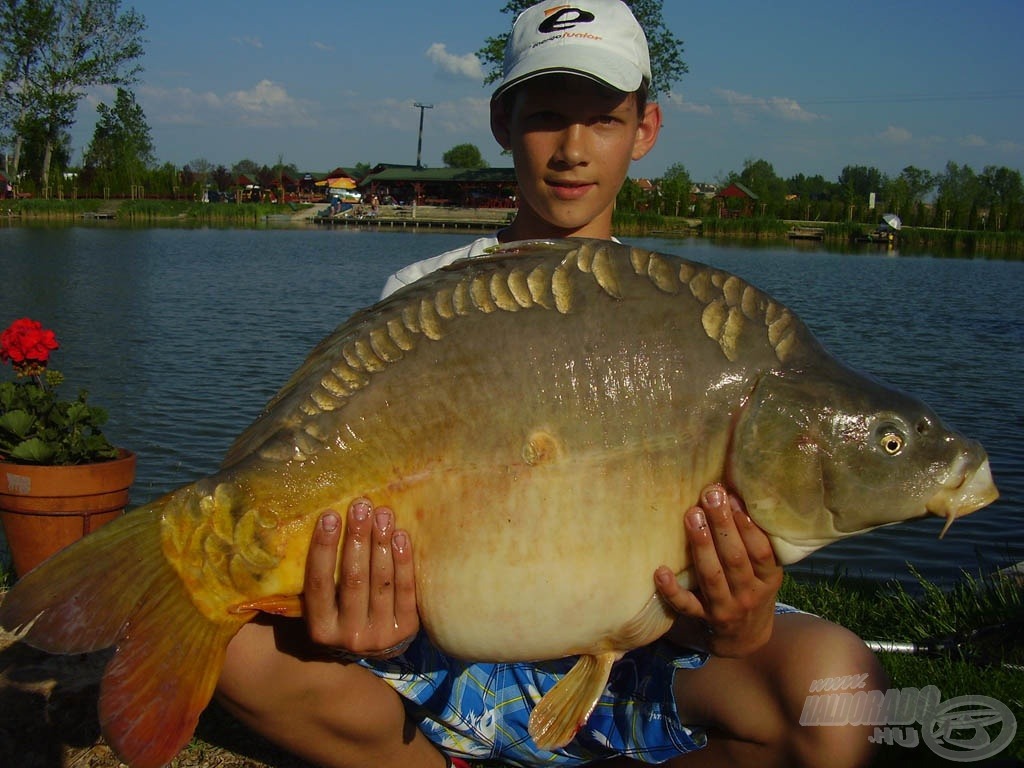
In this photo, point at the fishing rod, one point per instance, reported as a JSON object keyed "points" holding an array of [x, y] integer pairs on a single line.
{"points": [[966, 642]]}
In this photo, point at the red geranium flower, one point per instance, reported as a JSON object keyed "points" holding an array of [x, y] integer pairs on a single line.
{"points": [[26, 342], [37, 426]]}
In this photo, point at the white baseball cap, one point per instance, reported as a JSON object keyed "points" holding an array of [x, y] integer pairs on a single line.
{"points": [[599, 39]]}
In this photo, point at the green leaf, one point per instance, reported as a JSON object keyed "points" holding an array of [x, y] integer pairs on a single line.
{"points": [[33, 451], [18, 422]]}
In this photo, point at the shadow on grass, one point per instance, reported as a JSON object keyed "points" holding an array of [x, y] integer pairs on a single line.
{"points": [[48, 703]]}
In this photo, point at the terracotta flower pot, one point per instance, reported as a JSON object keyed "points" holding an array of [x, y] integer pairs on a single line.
{"points": [[44, 509]]}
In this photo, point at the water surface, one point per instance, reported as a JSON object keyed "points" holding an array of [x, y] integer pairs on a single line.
{"points": [[184, 334]]}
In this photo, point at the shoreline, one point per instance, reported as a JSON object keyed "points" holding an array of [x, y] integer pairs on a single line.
{"points": [[142, 213]]}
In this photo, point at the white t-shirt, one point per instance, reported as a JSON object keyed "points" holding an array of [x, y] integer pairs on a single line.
{"points": [[416, 270]]}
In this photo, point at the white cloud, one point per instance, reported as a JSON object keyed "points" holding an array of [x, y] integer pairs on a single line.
{"points": [[779, 107], [895, 134], [322, 46], [679, 103], [266, 103], [974, 140], [467, 65], [251, 42]]}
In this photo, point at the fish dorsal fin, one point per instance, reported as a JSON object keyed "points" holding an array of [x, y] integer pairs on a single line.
{"points": [[565, 708]]}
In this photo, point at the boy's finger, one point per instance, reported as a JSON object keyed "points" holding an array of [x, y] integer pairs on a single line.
{"points": [[318, 594], [381, 609], [732, 551], [682, 601], [707, 568], [406, 613], [759, 546], [354, 584]]}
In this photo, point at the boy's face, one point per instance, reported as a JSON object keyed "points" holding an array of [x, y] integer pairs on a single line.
{"points": [[572, 141]]}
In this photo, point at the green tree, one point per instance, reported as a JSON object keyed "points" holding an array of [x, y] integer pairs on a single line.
{"points": [[60, 49], [246, 167], [121, 149], [22, 23], [674, 187], [958, 191], [760, 178], [222, 178], [859, 181], [905, 194], [464, 156], [667, 65]]}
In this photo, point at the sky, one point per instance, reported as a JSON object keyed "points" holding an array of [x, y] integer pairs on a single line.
{"points": [[811, 87]]}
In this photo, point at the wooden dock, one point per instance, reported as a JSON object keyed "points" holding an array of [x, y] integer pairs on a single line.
{"points": [[806, 233], [423, 217]]}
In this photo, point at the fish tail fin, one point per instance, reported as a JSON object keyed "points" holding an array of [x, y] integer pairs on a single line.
{"points": [[565, 708], [115, 587]]}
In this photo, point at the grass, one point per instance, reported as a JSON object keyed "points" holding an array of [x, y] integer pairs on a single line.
{"points": [[974, 631], [989, 663], [147, 212]]}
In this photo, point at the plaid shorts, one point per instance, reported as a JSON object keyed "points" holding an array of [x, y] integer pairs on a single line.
{"points": [[481, 711]]}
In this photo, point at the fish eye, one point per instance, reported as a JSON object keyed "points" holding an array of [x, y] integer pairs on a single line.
{"points": [[892, 442]]}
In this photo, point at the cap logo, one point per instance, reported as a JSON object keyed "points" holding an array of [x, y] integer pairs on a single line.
{"points": [[564, 17]]}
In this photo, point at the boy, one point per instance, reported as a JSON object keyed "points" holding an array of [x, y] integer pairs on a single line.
{"points": [[729, 680]]}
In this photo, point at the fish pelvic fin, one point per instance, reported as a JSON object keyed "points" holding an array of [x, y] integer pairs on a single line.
{"points": [[565, 708], [114, 587]]}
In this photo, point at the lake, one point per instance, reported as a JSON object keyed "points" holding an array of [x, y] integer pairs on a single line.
{"points": [[184, 334]]}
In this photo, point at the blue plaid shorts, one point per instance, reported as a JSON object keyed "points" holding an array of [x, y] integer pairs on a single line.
{"points": [[481, 711]]}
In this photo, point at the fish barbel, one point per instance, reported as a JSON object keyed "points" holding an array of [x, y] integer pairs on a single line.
{"points": [[549, 409]]}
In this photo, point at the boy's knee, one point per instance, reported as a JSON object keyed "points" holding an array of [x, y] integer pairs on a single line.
{"points": [[829, 661]]}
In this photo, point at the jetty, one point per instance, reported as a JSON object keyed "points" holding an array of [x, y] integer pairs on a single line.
{"points": [[419, 216], [806, 233]]}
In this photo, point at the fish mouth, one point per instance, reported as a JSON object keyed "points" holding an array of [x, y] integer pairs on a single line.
{"points": [[967, 492]]}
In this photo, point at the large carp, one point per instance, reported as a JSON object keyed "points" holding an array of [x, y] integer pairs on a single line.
{"points": [[548, 410]]}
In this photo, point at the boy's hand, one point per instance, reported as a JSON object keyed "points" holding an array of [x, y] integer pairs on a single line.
{"points": [[371, 612], [732, 608]]}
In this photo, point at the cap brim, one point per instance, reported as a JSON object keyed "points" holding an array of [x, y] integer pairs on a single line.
{"points": [[601, 65]]}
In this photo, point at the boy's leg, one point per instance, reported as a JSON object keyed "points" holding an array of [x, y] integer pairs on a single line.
{"points": [[752, 705], [330, 713]]}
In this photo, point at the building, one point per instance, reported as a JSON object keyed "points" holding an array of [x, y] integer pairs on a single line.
{"points": [[462, 187], [736, 201]]}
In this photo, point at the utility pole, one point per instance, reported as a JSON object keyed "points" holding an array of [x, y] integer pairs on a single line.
{"points": [[419, 145]]}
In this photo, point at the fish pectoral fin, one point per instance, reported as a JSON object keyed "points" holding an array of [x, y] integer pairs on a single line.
{"points": [[278, 605], [565, 708]]}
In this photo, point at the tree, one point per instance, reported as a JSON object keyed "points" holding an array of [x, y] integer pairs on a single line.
{"points": [[674, 187], [958, 190], [667, 65], [24, 23], [760, 178], [60, 48], [859, 181], [121, 148], [464, 156], [246, 167]]}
